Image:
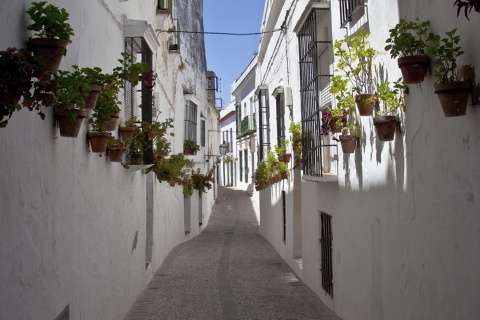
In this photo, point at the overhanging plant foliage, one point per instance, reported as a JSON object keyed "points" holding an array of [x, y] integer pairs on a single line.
{"points": [[468, 6], [50, 21], [445, 52], [408, 38]]}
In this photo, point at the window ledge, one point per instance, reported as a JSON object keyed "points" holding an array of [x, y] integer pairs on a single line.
{"points": [[133, 167], [327, 177]]}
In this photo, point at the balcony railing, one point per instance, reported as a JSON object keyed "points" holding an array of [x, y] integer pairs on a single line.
{"points": [[247, 125], [347, 9]]}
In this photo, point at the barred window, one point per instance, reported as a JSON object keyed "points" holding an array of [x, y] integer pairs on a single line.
{"points": [[279, 95], [326, 252], [316, 62], [190, 121], [347, 9], [263, 123]]}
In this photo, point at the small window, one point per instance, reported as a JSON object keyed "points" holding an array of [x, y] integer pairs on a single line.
{"points": [[326, 252], [347, 9], [202, 133], [240, 154], [280, 106], [191, 121]]}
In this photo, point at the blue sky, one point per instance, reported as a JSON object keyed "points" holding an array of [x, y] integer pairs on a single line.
{"points": [[228, 56]]}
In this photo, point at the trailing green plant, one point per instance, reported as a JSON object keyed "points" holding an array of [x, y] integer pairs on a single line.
{"points": [[272, 159], [191, 145], [261, 175], [115, 144], [392, 99], [157, 132], [282, 167], [408, 38], [468, 5], [202, 182], [107, 106], [94, 75], [355, 61], [188, 188], [281, 148], [49, 21], [20, 72], [296, 137], [130, 122], [445, 52], [129, 70], [71, 89]]}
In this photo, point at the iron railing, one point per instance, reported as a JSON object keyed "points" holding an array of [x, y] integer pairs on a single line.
{"points": [[347, 9]]}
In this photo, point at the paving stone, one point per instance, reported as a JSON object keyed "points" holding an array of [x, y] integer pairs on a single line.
{"points": [[229, 271]]}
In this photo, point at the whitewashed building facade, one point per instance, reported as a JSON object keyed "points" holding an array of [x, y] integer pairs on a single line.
{"points": [[83, 236], [391, 231]]}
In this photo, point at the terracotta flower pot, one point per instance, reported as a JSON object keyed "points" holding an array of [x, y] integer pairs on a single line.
{"points": [[98, 141], [69, 129], [365, 107], [286, 157], [349, 142], [385, 127], [414, 68], [115, 155], [334, 127], [92, 98], [453, 97], [172, 183], [127, 133], [50, 50], [112, 124]]}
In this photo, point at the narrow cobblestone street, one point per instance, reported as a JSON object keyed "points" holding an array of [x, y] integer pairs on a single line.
{"points": [[229, 271]]}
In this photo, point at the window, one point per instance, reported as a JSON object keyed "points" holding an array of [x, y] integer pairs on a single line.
{"points": [[202, 133], [326, 252], [138, 48], [263, 123], [347, 9], [238, 117], [316, 64], [190, 121], [174, 39], [280, 104]]}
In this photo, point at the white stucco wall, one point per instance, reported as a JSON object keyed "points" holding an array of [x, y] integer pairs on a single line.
{"points": [[73, 223], [404, 213]]}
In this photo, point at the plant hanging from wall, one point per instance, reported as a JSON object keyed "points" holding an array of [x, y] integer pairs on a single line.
{"points": [[468, 6]]}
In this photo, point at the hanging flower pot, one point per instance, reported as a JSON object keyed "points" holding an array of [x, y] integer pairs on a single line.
{"points": [[414, 68], [385, 127], [336, 124], [92, 98], [115, 155], [348, 142], [98, 141], [127, 133], [453, 97], [172, 183], [365, 103], [286, 157], [49, 50], [68, 127], [112, 124]]}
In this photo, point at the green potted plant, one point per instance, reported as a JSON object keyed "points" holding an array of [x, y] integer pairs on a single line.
{"points": [[127, 131], [451, 91], [407, 42], [260, 177], [393, 102], [272, 160], [334, 119], [295, 129], [97, 80], [202, 182], [136, 147], [52, 31], [71, 89], [190, 147], [106, 106], [19, 73], [281, 150], [282, 169], [157, 132], [355, 61], [115, 149]]}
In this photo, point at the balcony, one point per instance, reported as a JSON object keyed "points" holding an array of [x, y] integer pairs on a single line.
{"points": [[247, 126]]}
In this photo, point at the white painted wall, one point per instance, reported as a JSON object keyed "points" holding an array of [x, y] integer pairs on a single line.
{"points": [[73, 223], [405, 217]]}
